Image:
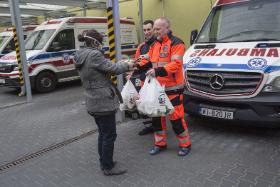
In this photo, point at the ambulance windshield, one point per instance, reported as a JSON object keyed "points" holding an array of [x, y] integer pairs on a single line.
{"points": [[38, 39], [255, 20], [3, 40]]}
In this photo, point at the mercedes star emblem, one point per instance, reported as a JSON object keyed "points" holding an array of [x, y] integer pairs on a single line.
{"points": [[217, 82]]}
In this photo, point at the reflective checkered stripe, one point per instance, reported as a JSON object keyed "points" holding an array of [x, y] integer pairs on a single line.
{"points": [[160, 138], [176, 57], [184, 139], [159, 64]]}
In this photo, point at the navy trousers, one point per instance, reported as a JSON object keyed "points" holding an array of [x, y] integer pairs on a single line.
{"points": [[106, 139]]}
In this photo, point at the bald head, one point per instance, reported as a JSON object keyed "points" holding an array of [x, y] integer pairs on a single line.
{"points": [[161, 27]]}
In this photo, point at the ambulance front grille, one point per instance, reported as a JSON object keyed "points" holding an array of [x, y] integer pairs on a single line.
{"points": [[6, 68], [223, 83]]}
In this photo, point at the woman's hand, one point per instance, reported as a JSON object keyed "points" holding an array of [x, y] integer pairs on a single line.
{"points": [[132, 66], [126, 61], [129, 75]]}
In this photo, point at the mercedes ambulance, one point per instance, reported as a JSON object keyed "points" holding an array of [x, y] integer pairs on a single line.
{"points": [[50, 49], [232, 69], [6, 38]]}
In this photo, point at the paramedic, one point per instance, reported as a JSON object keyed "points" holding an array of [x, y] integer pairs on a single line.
{"points": [[142, 50], [102, 97], [165, 61]]}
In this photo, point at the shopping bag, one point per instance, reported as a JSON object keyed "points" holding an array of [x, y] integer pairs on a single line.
{"points": [[129, 93], [153, 100]]}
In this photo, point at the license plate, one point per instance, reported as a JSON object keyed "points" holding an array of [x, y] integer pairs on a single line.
{"points": [[2, 81], [222, 114]]}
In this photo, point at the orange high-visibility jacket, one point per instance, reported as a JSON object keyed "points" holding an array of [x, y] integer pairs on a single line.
{"points": [[166, 57], [144, 48], [138, 51]]}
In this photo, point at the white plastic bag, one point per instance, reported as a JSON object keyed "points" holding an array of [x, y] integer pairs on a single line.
{"points": [[128, 94], [153, 100]]}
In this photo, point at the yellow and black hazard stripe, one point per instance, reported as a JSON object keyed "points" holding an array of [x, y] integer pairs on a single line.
{"points": [[111, 37], [21, 80]]}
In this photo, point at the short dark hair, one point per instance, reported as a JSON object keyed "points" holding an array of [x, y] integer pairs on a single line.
{"points": [[91, 33], [146, 22]]}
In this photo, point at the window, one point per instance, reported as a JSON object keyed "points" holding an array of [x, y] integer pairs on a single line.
{"points": [[38, 39], [245, 21], [3, 40], [64, 40], [9, 47]]}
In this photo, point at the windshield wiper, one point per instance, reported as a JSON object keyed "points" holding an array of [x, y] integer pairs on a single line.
{"points": [[267, 45], [259, 40], [207, 46], [247, 32]]}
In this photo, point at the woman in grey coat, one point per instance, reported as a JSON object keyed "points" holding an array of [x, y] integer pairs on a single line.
{"points": [[102, 97]]}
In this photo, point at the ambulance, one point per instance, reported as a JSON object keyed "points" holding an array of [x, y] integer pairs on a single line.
{"points": [[51, 46], [6, 38], [232, 69]]}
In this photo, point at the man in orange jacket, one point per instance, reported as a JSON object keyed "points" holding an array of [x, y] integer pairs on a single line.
{"points": [[165, 61], [142, 50]]}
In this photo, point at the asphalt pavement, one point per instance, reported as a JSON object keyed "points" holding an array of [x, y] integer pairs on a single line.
{"points": [[52, 141]]}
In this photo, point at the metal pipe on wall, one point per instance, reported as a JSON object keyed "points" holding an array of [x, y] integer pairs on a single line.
{"points": [[85, 8], [162, 6], [140, 15]]}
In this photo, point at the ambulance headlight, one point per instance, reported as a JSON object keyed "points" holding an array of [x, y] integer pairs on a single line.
{"points": [[274, 86], [276, 83], [15, 68]]}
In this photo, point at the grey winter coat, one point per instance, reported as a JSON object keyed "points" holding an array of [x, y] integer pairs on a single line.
{"points": [[94, 68]]}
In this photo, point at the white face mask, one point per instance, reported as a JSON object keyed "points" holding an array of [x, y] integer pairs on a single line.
{"points": [[96, 42]]}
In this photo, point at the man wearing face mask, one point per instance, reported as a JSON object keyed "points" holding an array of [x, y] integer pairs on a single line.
{"points": [[102, 97], [165, 61]]}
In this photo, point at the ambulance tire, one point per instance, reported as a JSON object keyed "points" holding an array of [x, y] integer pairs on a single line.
{"points": [[45, 82]]}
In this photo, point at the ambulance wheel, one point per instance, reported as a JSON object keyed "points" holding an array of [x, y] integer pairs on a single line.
{"points": [[45, 82]]}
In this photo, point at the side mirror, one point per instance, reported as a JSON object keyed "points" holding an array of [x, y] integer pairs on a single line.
{"points": [[194, 34]]}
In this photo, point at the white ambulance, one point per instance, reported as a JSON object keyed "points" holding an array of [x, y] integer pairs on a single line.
{"points": [[6, 38], [233, 67], [51, 46]]}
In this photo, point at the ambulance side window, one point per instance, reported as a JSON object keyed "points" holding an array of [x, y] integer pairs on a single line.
{"points": [[9, 48], [64, 40]]}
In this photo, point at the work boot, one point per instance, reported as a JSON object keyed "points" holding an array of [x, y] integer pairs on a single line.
{"points": [[157, 149], [183, 151], [146, 130], [116, 170]]}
